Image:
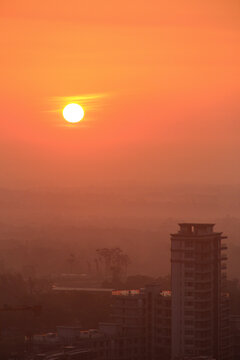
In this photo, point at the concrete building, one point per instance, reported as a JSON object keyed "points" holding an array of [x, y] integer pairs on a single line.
{"points": [[144, 317], [235, 327], [200, 305], [72, 343], [127, 311], [158, 323], [66, 353]]}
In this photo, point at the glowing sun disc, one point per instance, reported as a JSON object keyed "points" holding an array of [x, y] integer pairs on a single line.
{"points": [[73, 113]]}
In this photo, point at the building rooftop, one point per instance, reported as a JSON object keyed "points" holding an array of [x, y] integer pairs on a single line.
{"points": [[165, 293], [196, 224], [126, 292], [90, 290], [196, 229]]}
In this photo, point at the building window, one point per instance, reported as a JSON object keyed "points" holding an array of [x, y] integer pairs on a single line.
{"points": [[188, 342], [189, 303], [189, 313], [188, 274], [189, 265], [188, 243], [188, 254], [189, 322], [188, 332]]}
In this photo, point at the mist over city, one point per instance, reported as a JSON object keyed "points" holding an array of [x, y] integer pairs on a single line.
{"points": [[58, 222]]}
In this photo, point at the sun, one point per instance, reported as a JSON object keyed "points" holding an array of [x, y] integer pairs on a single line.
{"points": [[73, 113]]}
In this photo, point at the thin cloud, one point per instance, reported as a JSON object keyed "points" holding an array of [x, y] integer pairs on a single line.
{"points": [[92, 102]]}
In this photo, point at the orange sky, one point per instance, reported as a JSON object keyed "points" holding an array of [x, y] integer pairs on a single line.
{"points": [[166, 75]]}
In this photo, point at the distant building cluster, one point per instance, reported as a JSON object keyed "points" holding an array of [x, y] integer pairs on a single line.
{"points": [[190, 322]]}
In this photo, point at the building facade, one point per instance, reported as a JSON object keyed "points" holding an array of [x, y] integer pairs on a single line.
{"points": [[235, 329], [144, 316], [200, 305]]}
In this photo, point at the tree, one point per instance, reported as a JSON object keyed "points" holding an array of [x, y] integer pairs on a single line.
{"points": [[115, 263], [71, 260]]}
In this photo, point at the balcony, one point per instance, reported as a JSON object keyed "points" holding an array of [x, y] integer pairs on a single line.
{"points": [[189, 297], [225, 316], [203, 261], [224, 275], [203, 294], [224, 246], [203, 326], [203, 281], [203, 310], [203, 272], [205, 345], [127, 307], [202, 338], [203, 285]]}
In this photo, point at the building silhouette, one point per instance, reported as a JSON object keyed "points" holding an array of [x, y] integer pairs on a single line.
{"points": [[200, 304], [144, 320]]}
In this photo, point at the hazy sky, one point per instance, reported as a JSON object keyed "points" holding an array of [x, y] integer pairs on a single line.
{"points": [[164, 82]]}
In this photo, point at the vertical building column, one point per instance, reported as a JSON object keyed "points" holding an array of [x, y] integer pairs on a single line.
{"points": [[196, 270]]}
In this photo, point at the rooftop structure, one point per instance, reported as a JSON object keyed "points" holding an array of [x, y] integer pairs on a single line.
{"points": [[89, 290]]}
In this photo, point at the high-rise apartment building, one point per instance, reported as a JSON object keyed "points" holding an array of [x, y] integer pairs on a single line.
{"points": [[144, 318], [200, 306]]}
